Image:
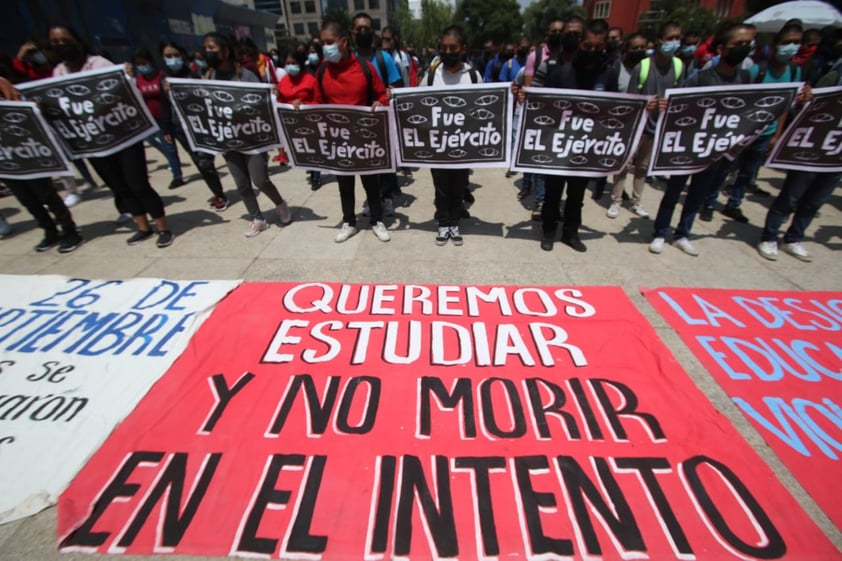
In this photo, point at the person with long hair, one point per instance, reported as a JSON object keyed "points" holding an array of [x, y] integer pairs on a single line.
{"points": [[299, 85]]}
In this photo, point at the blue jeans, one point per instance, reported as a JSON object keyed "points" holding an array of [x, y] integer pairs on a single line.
{"points": [[170, 152], [803, 192], [748, 162], [701, 185]]}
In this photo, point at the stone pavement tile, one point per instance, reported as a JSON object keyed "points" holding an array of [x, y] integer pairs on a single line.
{"points": [[297, 270], [199, 268], [89, 265]]}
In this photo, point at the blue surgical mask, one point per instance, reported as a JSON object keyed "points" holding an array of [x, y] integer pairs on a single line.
{"points": [[292, 69], [784, 53], [669, 48], [332, 53], [144, 69], [313, 59], [650, 52], [201, 64], [174, 64], [688, 50]]}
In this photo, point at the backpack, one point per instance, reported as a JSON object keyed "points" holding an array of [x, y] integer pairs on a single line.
{"points": [[366, 71], [763, 68], [646, 64], [431, 73]]}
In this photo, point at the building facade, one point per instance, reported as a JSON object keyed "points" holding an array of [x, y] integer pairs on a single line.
{"points": [[632, 15]]}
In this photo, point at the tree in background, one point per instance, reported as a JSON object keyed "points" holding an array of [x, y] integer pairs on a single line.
{"points": [[497, 20], [693, 18], [436, 15], [340, 15], [537, 16]]}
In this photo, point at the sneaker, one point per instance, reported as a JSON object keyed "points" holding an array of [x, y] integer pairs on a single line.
{"points": [[574, 242], [469, 198], [522, 193], [706, 215], [455, 235], [49, 241], [256, 227], [509, 174], [797, 250], [735, 214], [536, 212], [684, 245], [640, 211], [139, 236], [123, 218], [365, 209], [345, 232], [72, 199], [381, 232], [547, 244], [388, 207], [657, 245], [284, 213], [176, 183], [218, 203], [69, 243], [613, 210], [165, 238], [769, 250], [443, 235]]}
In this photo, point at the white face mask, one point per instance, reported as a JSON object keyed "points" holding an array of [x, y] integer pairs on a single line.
{"points": [[331, 53]]}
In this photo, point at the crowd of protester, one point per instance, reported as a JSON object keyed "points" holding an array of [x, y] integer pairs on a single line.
{"points": [[356, 66]]}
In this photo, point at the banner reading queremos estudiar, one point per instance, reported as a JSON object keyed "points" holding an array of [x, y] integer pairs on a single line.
{"points": [[343, 139], [221, 116], [76, 356], [813, 141], [94, 113], [579, 133], [28, 149], [702, 125], [453, 126]]}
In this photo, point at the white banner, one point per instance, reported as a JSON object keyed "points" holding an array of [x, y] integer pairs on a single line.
{"points": [[75, 358]]}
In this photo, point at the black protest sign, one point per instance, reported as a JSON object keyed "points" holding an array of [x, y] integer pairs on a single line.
{"points": [[701, 125], [343, 139], [28, 150], [813, 141], [579, 133], [221, 116], [94, 113], [453, 126]]}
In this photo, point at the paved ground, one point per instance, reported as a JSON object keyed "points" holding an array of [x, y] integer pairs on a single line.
{"points": [[501, 247]]}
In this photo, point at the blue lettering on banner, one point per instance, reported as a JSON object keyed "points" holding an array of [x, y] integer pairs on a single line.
{"points": [[774, 313], [711, 312], [799, 412]]}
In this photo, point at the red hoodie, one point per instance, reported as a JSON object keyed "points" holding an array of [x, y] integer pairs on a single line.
{"points": [[344, 83]]}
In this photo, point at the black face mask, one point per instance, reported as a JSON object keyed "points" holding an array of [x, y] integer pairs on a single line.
{"points": [[736, 55], [634, 57], [450, 60], [570, 42], [213, 59], [590, 59], [365, 39], [522, 52], [834, 53], [554, 41], [612, 45], [67, 52], [507, 55]]}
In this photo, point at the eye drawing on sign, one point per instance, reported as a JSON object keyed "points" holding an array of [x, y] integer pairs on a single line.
{"points": [[78, 89], [579, 160], [338, 118], [405, 106], [588, 107], [16, 118], [106, 98], [608, 162], [107, 84], [687, 121], [133, 125], [223, 96], [417, 119], [54, 92], [314, 117], [457, 153], [485, 100], [544, 120], [367, 121], [706, 102], [806, 156], [429, 101], [681, 160], [454, 101], [481, 114], [560, 104], [423, 154], [760, 116], [246, 110], [251, 98], [9, 166], [732, 102], [769, 101], [236, 143], [53, 111], [345, 163], [104, 139], [365, 133], [611, 123], [180, 96], [292, 120], [201, 92], [678, 108], [15, 130], [315, 160], [304, 131], [489, 152], [195, 108], [263, 137], [376, 163], [47, 163], [620, 110], [822, 118], [542, 159]]}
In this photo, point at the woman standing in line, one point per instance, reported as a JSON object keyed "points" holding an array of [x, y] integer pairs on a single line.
{"points": [[298, 84]]}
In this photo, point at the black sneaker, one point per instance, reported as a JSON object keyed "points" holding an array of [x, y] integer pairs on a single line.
{"points": [[706, 215], [49, 241], [735, 214], [165, 238], [69, 243], [547, 244], [176, 183], [139, 236], [574, 242]]}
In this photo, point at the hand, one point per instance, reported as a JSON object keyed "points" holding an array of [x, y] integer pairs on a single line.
{"points": [[375, 105], [25, 49], [129, 69], [389, 92], [652, 104], [805, 95], [168, 138], [296, 104], [165, 84], [515, 89], [8, 91]]}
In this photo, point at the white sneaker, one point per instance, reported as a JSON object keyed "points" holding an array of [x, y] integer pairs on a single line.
{"points": [[345, 232], [797, 250], [388, 207], [72, 199], [284, 213], [684, 245], [769, 250], [613, 210], [256, 227], [657, 245], [455, 235], [640, 211], [443, 235], [381, 232]]}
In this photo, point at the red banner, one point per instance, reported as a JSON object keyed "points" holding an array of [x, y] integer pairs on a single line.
{"points": [[327, 421], [779, 356]]}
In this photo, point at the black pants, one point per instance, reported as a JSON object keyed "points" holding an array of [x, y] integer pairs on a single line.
{"points": [[450, 187], [34, 194], [371, 184], [205, 163], [388, 185], [126, 175], [576, 187]]}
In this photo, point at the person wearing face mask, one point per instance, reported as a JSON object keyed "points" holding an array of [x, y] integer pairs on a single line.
{"points": [[614, 46], [587, 69], [779, 69], [314, 57], [149, 80], [512, 66], [689, 43], [734, 42], [30, 63], [260, 64], [198, 64], [494, 68], [809, 44], [299, 86], [124, 171], [246, 169], [343, 79], [176, 67]]}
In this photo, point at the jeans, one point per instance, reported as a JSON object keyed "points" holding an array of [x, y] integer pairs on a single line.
{"points": [[701, 185], [170, 152], [803, 192], [252, 168], [748, 162]]}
